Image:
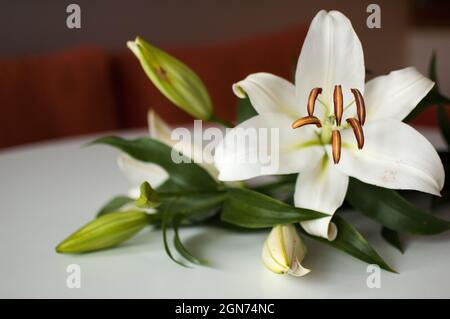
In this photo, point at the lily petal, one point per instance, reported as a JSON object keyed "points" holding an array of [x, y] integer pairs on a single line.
{"points": [[323, 189], [298, 270], [395, 95], [266, 144], [331, 55], [394, 156], [160, 130], [137, 172], [269, 93]]}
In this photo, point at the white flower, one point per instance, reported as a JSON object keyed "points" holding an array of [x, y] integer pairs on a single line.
{"points": [[355, 129], [138, 172], [284, 251]]}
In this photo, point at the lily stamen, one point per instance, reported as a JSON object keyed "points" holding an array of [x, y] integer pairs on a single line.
{"points": [[312, 100], [357, 130], [336, 146], [355, 123], [360, 106], [338, 101], [307, 120]]}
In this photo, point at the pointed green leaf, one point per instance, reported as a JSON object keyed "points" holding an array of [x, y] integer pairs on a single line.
{"points": [[179, 245], [166, 219], [445, 192], [353, 243], [392, 237], [176, 210], [250, 209], [280, 187], [391, 210], [444, 123], [196, 207], [185, 174], [433, 97]]}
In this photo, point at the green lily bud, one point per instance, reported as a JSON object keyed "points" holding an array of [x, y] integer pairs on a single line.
{"points": [[104, 232], [148, 197], [173, 79]]}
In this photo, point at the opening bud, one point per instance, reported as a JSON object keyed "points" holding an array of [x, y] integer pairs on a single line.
{"points": [[284, 251]]}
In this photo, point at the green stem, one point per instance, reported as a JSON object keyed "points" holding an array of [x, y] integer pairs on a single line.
{"points": [[220, 121], [156, 218]]}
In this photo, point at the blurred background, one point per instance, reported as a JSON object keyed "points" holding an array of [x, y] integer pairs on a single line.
{"points": [[57, 82]]}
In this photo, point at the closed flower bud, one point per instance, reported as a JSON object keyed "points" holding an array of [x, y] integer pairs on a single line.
{"points": [[104, 232], [173, 79], [148, 197], [284, 251]]}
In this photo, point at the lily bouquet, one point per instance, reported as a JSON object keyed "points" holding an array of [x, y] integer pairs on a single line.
{"points": [[329, 141]]}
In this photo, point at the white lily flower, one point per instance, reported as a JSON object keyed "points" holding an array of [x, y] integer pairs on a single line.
{"points": [[283, 251], [138, 172], [355, 129]]}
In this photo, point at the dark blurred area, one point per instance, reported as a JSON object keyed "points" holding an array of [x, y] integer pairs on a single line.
{"points": [[56, 81]]}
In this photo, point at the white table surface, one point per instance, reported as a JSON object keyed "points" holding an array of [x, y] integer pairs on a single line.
{"points": [[48, 190]]}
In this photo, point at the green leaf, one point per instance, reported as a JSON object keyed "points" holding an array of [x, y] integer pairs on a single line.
{"points": [[165, 221], [392, 237], [245, 110], [179, 245], [250, 209], [174, 212], [444, 123], [353, 243], [391, 210], [445, 192], [275, 188], [185, 174], [434, 97], [114, 204], [195, 208], [186, 209]]}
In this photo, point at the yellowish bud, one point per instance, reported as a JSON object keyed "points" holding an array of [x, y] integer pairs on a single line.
{"points": [[284, 251], [148, 197]]}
